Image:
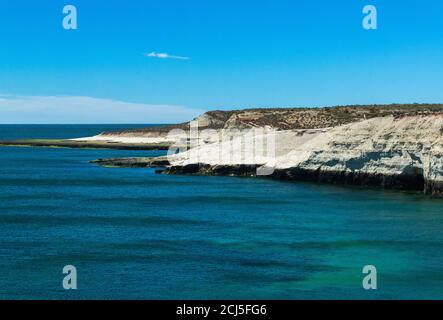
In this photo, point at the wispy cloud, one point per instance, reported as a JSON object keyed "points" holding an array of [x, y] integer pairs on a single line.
{"points": [[165, 56], [80, 109]]}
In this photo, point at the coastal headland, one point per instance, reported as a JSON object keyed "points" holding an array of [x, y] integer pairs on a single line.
{"points": [[394, 146]]}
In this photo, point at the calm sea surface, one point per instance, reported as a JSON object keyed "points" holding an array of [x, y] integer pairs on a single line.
{"points": [[133, 234]]}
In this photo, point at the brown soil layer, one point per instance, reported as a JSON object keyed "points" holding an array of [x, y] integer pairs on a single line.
{"points": [[295, 118]]}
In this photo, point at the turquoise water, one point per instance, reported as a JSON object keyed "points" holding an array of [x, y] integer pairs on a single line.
{"points": [[133, 234]]}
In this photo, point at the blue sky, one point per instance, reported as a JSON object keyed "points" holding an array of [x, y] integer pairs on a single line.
{"points": [[228, 54]]}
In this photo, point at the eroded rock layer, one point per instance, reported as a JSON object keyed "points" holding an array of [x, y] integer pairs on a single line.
{"points": [[401, 152]]}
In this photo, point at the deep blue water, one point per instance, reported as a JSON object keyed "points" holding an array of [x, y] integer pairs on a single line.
{"points": [[133, 234]]}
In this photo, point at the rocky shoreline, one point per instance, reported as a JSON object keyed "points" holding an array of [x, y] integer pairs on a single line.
{"points": [[140, 162], [391, 182], [411, 182]]}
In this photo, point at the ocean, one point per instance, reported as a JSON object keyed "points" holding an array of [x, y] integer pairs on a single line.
{"points": [[134, 234]]}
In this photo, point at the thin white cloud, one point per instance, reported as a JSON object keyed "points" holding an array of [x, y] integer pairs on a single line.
{"points": [[165, 56], [79, 109]]}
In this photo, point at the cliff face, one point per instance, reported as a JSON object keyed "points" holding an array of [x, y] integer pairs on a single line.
{"points": [[399, 153], [402, 152], [280, 119]]}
